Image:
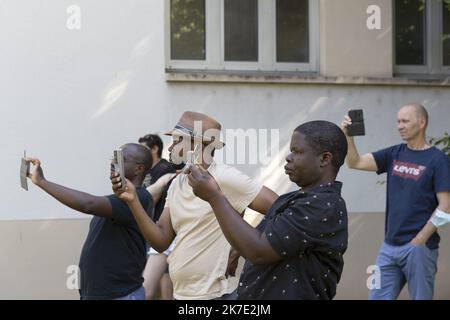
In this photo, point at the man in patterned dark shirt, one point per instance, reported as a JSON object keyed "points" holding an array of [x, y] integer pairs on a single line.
{"points": [[297, 250]]}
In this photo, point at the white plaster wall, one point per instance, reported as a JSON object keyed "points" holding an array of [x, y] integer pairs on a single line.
{"points": [[70, 97]]}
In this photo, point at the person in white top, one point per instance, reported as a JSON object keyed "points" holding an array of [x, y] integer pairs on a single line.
{"points": [[199, 261]]}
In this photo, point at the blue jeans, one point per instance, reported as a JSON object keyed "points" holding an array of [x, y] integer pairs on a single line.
{"points": [[415, 265], [139, 294]]}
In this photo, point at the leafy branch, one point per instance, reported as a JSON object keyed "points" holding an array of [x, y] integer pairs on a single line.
{"points": [[442, 143]]}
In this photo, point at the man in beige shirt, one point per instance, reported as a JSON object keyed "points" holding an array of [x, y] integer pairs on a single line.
{"points": [[198, 263]]}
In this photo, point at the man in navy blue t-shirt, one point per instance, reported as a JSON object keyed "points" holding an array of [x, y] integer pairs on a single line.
{"points": [[114, 253], [418, 190]]}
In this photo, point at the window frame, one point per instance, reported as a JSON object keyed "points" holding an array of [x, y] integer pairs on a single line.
{"points": [[434, 59], [215, 41]]}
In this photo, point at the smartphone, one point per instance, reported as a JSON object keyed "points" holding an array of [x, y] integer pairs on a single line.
{"points": [[191, 159], [24, 171], [357, 126], [119, 167]]}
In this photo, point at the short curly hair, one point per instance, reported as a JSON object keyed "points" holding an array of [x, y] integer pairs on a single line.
{"points": [[324, 136]]}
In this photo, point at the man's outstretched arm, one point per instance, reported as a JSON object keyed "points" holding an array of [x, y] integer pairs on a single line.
{"points": [[161, 234], [157, 188], [77, 200], [264, 200], [354, 159], [251, 243]]}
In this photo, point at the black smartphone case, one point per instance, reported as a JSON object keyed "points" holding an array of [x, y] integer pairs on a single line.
{"points": [[357, 126]]}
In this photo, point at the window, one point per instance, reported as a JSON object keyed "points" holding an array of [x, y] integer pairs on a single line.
{"points": [[250, 35], [187, 25], [292, 31], [241, 30], [422, 36], [446, 33]]}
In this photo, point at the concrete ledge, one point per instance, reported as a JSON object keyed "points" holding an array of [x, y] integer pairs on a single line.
{"points": [[178, 75]]}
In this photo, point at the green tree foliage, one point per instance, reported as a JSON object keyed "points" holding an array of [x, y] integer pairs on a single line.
{"points": [[442, 143]]}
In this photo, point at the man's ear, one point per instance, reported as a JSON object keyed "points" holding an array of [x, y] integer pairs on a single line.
{"points": [[326, 159], [423, 123], [139, 169]]}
